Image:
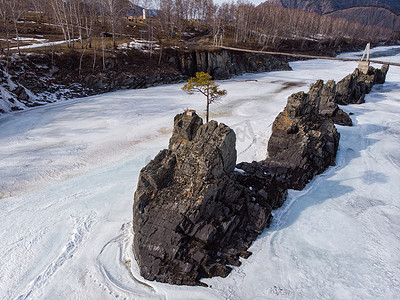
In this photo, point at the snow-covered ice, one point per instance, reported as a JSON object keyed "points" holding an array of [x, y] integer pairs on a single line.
{"points": [[68, 172]]}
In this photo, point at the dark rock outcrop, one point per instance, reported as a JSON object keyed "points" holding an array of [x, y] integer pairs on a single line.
{"points": [[353, 88], [324, 96], [223, 64], [193, 214], [380, 74], [302, 144], [304, 140], [350, 90], [21, 93]]}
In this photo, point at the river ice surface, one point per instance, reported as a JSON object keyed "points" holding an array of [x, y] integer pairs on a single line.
{"points": [[68, 172]]}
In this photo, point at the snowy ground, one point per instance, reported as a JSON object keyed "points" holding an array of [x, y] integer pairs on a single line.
{"points": [[68, 172], [141, 45], [39, 43]]}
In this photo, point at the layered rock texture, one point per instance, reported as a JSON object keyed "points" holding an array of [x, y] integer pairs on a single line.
{"points": [[304, 140], [328, 108], [350, 90], [223, 64], [302, 144], [195, 214], [353, 88]]}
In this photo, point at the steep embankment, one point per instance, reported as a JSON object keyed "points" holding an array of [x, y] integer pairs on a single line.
{"points": [[36, 79]]}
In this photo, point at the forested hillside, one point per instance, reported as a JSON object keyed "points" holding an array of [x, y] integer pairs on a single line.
{"points": [[384, 13], [106, 24]]}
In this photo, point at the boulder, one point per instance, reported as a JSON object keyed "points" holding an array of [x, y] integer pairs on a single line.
{"points": [[194, 215], [21, 94], [348, 91]]}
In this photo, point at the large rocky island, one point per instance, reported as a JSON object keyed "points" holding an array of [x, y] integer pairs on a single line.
{"points": [[196, 211]]}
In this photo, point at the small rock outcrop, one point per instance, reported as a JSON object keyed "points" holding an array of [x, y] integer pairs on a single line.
{"points": [[324, 95], [193, 214], [353, 88], [304, 140], [350, 90], [380, 74], [302, 144]]}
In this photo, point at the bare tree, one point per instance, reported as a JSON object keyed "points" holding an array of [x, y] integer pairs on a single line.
{"points": [[4, 13], [60, 16], [16, 9], [114, 9]]}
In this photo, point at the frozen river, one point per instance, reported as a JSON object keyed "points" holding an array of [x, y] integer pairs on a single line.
{"points": [[68, 172]]}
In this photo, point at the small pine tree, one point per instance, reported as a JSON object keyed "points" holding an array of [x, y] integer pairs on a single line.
{"points": [[203, 84]]}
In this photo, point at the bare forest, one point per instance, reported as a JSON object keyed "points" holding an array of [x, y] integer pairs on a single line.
{"points": [[87, 24]]}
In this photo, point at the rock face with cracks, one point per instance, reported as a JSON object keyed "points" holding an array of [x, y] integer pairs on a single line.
{"points": [[350, 90], [353, 88], [194, 216], [304, 140], [324, 96], [302, 144]]}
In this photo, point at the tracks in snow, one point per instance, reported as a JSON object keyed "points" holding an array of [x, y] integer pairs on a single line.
{"points": [[117, 266], [82, 227]]}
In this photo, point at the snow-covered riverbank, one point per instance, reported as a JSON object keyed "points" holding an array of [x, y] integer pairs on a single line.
{"points": [[68, 172]]}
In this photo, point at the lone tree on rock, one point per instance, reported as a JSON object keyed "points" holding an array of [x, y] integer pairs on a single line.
{"points": [[203, 84]]}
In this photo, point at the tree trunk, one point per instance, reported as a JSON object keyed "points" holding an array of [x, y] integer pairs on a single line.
{"points": [[94, 58], [208, 109], [16, 34], [102, 44]]}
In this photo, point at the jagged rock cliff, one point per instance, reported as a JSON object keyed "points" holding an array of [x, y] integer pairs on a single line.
{"points": [[353, 88], [193, 215], [328, 108], [304, 140], [223, 64], [302, 144]]}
